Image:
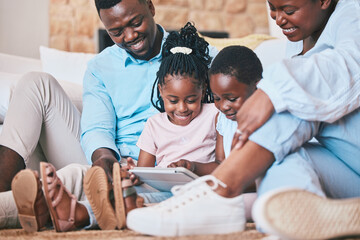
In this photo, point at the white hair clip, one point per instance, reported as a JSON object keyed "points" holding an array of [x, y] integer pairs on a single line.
{"points": [[183, 50]]}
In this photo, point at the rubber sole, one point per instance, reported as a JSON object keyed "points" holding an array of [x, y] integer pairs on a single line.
{"points": [[24, 188], [119, 201], [97, 192], [299, 214]]}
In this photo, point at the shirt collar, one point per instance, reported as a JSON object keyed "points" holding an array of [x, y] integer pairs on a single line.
{"points": [[129, 59]]}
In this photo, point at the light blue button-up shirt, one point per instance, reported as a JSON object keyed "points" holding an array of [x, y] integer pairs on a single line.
{"points": [[116, 101], [323, 84]]}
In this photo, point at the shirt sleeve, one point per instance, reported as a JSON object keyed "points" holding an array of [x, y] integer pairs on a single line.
{"points": [[324, 84], [146, 140], [98, 120], [219, 124]]}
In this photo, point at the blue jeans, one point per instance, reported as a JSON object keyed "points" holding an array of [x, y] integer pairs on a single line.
{"points": [[330, 167]]}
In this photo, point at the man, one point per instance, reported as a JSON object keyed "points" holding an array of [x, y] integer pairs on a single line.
{"points": [[116, 99]]}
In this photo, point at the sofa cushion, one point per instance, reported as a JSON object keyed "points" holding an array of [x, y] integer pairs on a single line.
{"points": [[250, 41], [7, 83], [65, 66]]}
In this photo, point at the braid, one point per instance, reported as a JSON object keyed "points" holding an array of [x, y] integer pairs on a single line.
{"points": [[194, 64]]}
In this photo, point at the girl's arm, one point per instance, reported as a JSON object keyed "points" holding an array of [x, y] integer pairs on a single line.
{"points": [[198, 168], [146, 159]]}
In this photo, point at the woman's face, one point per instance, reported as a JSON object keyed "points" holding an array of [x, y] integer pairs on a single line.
{"points": [[299, 19]]}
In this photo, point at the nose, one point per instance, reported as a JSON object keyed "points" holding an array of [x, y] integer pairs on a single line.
{"points": [[279, 18], [224, 107], [129, 34], [182, 107]]}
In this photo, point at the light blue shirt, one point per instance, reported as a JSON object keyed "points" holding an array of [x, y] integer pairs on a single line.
{"points": [[226, 128], [116, 100], [323, 84]]}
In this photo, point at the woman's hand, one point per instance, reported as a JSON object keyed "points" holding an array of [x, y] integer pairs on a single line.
{"points": [[255, 111], [183, 163]]}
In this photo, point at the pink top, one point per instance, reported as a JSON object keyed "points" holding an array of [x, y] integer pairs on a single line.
{"points": [[169, 142]]}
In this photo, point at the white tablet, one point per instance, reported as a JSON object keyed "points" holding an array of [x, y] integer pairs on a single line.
{"points": [[164, 179]]}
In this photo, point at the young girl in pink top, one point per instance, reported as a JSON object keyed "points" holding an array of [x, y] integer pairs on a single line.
{"points": [[185, 128]]}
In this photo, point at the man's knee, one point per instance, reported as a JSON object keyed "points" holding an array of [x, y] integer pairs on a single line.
{"points": [[35, 80]]}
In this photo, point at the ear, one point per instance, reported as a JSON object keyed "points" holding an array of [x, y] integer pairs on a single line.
{"points": [[325, 4], [151, 7]]}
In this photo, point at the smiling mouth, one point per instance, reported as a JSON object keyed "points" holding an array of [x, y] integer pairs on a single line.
{"points": [[137, 45], [289, 30], [230, 116], [183, 117]]}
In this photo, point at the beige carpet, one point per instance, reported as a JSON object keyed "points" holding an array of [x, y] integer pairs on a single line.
{"points": [[19, 234], [250, 233]]}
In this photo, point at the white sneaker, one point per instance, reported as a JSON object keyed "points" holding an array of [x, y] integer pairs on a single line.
{"points": [[299, 214], [193, 210]]}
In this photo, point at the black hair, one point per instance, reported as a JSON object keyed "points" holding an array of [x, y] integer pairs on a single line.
{"points": [[106, 4], [194, 64], [239, 62]]}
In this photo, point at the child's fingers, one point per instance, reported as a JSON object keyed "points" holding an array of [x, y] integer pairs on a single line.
{"points": [[130, 163], [135, 179], [172, 165]]}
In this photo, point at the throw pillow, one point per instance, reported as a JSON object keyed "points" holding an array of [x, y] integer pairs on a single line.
{"points": [[65, 66]]}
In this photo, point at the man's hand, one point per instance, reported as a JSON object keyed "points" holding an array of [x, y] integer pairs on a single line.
{"points": [[105, 158], [183, 163], [255, 111]]}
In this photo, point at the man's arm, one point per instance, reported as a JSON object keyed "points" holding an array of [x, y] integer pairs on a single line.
{"points": [[98, 121]]}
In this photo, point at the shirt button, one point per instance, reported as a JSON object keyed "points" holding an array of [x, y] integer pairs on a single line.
{"points": [[151, 63]]}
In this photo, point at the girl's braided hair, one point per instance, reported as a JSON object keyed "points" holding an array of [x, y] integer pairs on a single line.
{"points": [[194, 64]]}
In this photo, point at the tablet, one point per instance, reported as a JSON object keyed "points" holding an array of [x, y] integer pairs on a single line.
{"points": [[164, 179]]}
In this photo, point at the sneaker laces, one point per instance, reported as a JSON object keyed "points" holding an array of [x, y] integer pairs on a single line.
{"points": [[184, 194]]}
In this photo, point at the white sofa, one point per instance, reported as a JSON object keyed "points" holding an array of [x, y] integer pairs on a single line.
{"points": [[68, 68]]}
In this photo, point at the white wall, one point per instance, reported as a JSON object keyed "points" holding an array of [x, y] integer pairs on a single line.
{"points": [[24, 26]]}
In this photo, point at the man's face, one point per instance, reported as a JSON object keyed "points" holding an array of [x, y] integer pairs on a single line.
{"points": [[131, 26]]}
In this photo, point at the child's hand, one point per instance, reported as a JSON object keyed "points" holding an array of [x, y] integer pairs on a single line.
{"points": [[135, 179], [130, 164], [183, 163]]}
